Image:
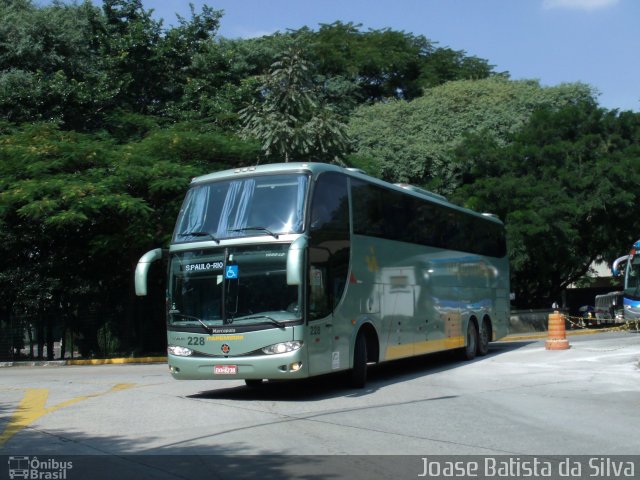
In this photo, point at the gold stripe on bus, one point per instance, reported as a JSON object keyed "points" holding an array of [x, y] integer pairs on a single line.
{"points": [[399, 351], [420, 348], [225, 338]]}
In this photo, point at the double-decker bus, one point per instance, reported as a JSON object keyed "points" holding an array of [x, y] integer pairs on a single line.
{"points": [[618, 307], [287, 271]]}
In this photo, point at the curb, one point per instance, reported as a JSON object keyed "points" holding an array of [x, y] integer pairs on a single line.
{"points": [[117, 361], [35, 363], [93, 361], [544, 335]]}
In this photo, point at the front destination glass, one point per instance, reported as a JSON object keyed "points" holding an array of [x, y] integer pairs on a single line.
{"points": [[240, 285]]}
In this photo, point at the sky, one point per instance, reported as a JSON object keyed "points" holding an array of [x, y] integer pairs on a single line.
{"points": [[554, 41]]}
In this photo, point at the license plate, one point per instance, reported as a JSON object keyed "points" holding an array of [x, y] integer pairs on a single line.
{"points": [[225, 369]]}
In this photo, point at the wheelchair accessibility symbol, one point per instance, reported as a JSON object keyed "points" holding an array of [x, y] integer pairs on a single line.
{"points": [[231, 272]]}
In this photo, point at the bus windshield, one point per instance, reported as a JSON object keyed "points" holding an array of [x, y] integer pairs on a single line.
{"points": [[260, 205], [632, 278], [240, 286]]}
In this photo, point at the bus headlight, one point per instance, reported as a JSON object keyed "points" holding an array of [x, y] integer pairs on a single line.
{"points": [[179, 351], [284, 347]]}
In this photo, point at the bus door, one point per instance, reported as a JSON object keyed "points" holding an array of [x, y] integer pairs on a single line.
{"points": [[329, 255], [320, 317]]}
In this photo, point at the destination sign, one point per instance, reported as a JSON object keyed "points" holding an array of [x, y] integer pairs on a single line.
{"points": [[203, 267]]}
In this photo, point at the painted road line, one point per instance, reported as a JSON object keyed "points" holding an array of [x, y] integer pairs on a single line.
{"points": [[33, 406]]}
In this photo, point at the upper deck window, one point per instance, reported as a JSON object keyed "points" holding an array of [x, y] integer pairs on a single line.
{"points": [[385, 213], [261, 205]]}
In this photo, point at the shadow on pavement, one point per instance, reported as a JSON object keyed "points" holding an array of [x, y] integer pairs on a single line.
{"points": [[335, 385]]}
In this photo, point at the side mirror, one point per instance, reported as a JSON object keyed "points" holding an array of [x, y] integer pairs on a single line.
{"points": [[295, 261], [615, 268], [142, 270]]}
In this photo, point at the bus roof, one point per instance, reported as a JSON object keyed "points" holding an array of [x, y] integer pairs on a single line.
{"points": [[316, 168], [267, 169]]}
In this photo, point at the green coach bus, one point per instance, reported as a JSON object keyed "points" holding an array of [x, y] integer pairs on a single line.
{"points": [[292, 270]]}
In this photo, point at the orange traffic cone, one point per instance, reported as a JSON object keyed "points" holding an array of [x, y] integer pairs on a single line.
{"points": [[557, 335]]}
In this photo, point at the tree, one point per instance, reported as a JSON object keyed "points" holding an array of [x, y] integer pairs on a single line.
{"points": [[444, 65], [385, 63], [223, 78], [566, 187], [78, 210], [77, 64], [350, 67], [413, 141], [289, 119], [49, 63]]}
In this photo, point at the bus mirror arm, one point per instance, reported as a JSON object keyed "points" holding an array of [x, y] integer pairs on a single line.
{"points": [[295, 261], [615, 268], [142, 270]]}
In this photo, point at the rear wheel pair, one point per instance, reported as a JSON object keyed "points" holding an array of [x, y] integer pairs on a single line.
{"points": [[477, 342], [485, 338]]}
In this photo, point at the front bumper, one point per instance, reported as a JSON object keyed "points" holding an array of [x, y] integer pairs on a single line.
{"points": [[283, 366]]}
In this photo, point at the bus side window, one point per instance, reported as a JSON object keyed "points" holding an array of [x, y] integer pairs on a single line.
{"points": [[329, 244]]}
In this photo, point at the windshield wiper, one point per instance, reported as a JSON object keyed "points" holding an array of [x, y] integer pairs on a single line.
{"points": [[263, 229], [271, 319], [199, 234], [191, 317]]}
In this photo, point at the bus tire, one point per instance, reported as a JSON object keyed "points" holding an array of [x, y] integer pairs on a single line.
{"points": [[359, 371], [469, 351], [253, 382], [484, 338]]}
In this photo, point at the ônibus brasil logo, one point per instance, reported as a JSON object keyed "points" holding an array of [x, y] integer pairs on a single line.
{"points": [[32, 468]]}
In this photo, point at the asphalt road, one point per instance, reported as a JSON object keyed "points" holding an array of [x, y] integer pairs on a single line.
{"points": [[519, 400]]}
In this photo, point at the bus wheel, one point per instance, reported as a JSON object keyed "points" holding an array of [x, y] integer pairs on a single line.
{"points": [[483, 343], [359, 372], [253, 382], [469, 352]]}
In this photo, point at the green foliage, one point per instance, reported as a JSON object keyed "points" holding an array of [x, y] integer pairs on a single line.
{"points": [[153, 64], [76, 64], [106, 115], [49, 68], [386, 63], [413, 141], [78, 210], [348, 67], [381, 63], [290, 121], [444, 65], [126, 126], [564, 185], [108, 341]]}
